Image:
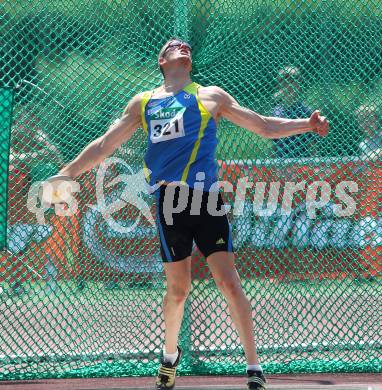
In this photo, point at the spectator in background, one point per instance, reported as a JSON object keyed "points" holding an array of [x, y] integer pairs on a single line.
{"points": [[32, 158], [31, 146], [369, 122], [289, 105]]}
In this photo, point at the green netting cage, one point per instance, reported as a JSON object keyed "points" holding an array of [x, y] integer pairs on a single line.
{"points": [[82, 296]]}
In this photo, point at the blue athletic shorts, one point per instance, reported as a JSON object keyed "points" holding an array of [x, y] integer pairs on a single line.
{"points": [[211, 233]]}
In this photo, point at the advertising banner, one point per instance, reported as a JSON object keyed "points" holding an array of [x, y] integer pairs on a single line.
{"points": [[36, 250], [121, 244], [331, 225]]}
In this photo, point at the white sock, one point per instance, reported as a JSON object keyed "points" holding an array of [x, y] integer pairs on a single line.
{"points": [[170, 357], [254, 367]]}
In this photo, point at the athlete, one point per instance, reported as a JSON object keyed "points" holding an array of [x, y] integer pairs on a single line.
{"points": [[180, 121]]}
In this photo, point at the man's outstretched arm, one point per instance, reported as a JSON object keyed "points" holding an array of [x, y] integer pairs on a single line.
{"points": [[119, 133], [268, 127]]}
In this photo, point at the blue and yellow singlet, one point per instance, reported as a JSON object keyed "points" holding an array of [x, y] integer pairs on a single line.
{"points": [[181, 136]]}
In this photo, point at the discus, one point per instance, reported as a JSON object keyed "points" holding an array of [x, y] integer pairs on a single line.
{"points": [[56, 189]]}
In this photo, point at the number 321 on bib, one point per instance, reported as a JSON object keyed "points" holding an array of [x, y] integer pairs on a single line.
{"points": [[166, 129]]}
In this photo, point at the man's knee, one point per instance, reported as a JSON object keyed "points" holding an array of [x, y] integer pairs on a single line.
{"points": [[178, 293], [230, 288]]}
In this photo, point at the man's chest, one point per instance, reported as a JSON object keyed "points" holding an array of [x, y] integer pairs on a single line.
{"points": [[178, 116], [209, 102], [167, 123]]}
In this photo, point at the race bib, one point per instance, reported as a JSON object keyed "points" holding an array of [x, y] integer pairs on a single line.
{"points": [[167, 124]]}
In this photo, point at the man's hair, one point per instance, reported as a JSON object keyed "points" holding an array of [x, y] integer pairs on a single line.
{"points": [[164, 47]]}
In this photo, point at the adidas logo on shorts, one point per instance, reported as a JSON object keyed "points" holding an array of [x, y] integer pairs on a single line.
{"points": [[220, 241]]}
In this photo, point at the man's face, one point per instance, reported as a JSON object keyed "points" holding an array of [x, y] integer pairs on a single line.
{"points": [[176, 51]]}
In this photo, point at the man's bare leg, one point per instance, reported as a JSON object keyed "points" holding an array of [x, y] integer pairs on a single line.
{"points": [[178, 276], [227, 279]]}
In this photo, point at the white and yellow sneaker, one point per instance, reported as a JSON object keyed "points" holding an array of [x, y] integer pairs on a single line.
{"points": [[256, 380], [166, 374]]}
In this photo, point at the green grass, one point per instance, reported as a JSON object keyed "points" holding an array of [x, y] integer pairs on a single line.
{"points": [[129, 292]]}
